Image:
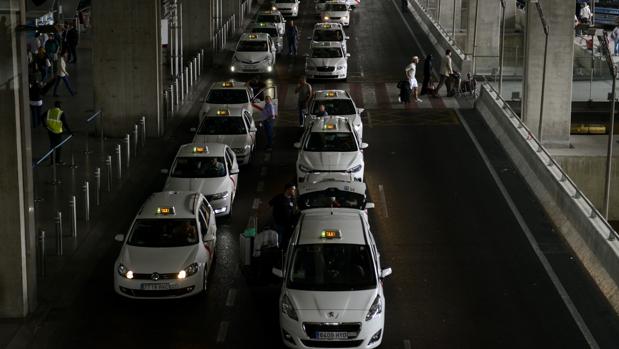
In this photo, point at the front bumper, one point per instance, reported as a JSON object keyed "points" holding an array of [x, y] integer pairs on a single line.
{"points": [[358, 176], [246, 68], [292, 11], [336, 74], [176, 288], [344, 21], [294, 335]]}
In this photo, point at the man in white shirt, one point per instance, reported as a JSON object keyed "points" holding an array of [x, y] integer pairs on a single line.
{"points": [[411, 70], [585, 14]]}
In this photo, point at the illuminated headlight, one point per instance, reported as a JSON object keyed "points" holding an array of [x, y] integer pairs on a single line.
{"points": [[376, 309], [304, 168], [345, 18], [232, 69], [341, 67], [354, 169], [124, 271], [190, 270], [220, 210], [288, 309], [269, 68], [219, 196], [274, 8], [326, 18]]}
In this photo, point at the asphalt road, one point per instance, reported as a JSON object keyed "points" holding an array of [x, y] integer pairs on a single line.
{"points": [[464, 274]]}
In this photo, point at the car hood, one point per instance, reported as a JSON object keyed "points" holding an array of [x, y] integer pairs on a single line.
{"points": [[330, 161], [206, 186], [332, 305], [329, 62], [160, 260], [233, 141], [252, 57]]}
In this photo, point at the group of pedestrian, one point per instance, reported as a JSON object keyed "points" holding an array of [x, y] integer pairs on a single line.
{"points": [[409, 88]]}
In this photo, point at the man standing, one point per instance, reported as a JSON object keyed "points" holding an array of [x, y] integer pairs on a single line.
{"points": [[292, 36], [284, 213], [446, 72], [411, 70], [304, 90], [269, 114], [585, 14], [36, 102], [56, 122]]}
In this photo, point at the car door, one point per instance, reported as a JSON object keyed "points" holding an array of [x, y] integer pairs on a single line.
{"points": [[251, 127], [208, 228], [233, 169], [258, 101]]}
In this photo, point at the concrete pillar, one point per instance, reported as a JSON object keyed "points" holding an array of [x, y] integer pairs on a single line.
{"points": [[510, 16], [483, 35], [127, 59], [18, 279], [197, 28], [447, 8], [559, 15]]}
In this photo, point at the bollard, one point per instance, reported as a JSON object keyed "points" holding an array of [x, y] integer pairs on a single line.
{"points": [[108, 165], [42, 252], [172, 99], [58, 221], [190, 74], [86, 189], [186, 81], [54, 174], [195, 71], [127, 150], [199, 58], [182, 87], [119, 170], [177, 94], [98, 185], [143, 125], [135, 140], [73, 207]]}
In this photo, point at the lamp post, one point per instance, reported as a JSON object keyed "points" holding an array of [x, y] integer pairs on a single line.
{"points": [[502, 48], [540, 12]]}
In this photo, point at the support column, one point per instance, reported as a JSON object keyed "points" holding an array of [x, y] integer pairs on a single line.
{"points": [[482, 35], [127, 59], [18, 279], [558, 91], [447, 9]]}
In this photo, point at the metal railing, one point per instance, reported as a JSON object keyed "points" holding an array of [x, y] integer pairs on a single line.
{"points": [[176, 92]]}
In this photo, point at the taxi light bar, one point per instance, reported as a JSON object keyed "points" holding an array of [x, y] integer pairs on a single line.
{"points": [[200, 150], [253, 36], [330, 234], [262, 24], [331, 94], [326, 26], [164, 211], [329, 127], [223, 112], [227, 84]]}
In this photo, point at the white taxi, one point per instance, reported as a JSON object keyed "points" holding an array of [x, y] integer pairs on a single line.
{"points": [[286, 7], [235, 94], [335, 11], [340, 103], [332, 291], [208, 168], [168, 251], [271, 29], [329, 144], [274, 17], [326, 60], [255, 54], [234, 127], [331, 32]]}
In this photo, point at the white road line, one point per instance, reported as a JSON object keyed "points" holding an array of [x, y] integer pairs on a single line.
{"points": [[260, 187], [407, 344], [267, 157], [256, 204], [423, 53], [223, 331], [263, 171], [384, 199], [527, 232], [231, 298]]}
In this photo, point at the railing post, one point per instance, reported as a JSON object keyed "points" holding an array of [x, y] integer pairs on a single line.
{"points": [[42, 252], [54, 174], [86, 189], [127, 150], [190, 74], [58, 220], [177, 94], [98, 185], [73, 207], [143, 125], [135, 140], [182, 83], [186, 82], [118, 162], [108, 165]]}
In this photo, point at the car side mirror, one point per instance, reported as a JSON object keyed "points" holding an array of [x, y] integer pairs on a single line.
{"points": [[364, 145], [235, 170], [119, 237], [297, 145], [277, 272], [193, 129], [361, 110], [164, 171], [253, 129], [347, 37], [369, 205], [385, 272], [347, 55]]}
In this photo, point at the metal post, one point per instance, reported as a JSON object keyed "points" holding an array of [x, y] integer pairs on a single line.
{"points": [[127, 150], [475, 38], [58, 220], [182, 83], [108, 165], [186, 81], [591, 74], [98, 185], [54, 174], [199, 64], [502, 48], [609, 155], [118, 162], [143, 125], [190, 79], [73, 207], [42, 252], [177, 95], [195, 71], [181, 60], [546, 32], [86, 189], [135, 140], [453, 22]]}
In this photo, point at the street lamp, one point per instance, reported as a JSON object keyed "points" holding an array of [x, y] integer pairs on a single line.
{"points": [[502, 48], [538, 6]]}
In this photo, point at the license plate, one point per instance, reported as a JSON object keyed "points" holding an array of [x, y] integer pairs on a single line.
{"points": [[155, 287], [331, 335]]}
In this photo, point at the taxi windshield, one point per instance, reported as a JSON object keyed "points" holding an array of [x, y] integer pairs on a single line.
{"points": [[327, 52], [222, 125], [331, 197], [229, 96], [331, 141], [335, 7], [328, 35], [331, 267], [267, 19], [163, 233], [252, 46], [335, 106], [270, 31], [199, 167]]}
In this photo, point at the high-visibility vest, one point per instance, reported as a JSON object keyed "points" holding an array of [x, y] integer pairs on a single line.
{"points": [[53, 122]]}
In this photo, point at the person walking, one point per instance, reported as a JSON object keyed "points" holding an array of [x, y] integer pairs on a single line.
{"points": [[292, 37], [56, 122], [63, 75], [284, 214], [44, 66], [52, 47], [72, 41], [268, 114], [411, 71], [36, 103], [427, 75], [585, 14], [615, 36], [446, 72], [304, 92]]}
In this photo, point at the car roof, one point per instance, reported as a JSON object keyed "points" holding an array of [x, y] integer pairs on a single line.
{"points": [[317, 44], [331, 94], [322, 124], [315, 182], [181, 203], [336, 2], [254, 37], [229, 111], [328, 26], [228, 85], [348, 222], [201, 150]]}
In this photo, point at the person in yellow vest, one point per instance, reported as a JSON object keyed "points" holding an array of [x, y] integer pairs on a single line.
{"points": [[56, 122]]}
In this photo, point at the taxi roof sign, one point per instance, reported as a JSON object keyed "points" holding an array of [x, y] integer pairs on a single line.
{"points": [[326, 26], [329, 127], [262, 24], [252, 36], [200, 150], [227, 84], [223, 112], [165, 211], [330, 234], [331, 94]]}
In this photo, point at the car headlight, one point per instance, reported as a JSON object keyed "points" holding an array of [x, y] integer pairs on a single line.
{"points": [[274, 8], [288, 309], [269, 68], [219, 196], [303, 168], [124, 271], [232, 68], [326, 18], [341, 67], [375, 309], [190, 270], [355, 169]]}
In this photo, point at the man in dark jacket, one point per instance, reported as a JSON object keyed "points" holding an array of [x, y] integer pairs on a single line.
{"points": [[292, 36], [72, 39], [284, 214]]}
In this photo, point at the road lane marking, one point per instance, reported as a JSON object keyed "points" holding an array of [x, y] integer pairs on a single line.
{"points": [[384, 199], [231, 298], [263, 171], [260, 187], [223, 331], [256, 204], [407, 344], [580, 322]]}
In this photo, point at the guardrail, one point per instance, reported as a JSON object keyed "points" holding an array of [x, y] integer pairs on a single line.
{"points": [[174, 95]]}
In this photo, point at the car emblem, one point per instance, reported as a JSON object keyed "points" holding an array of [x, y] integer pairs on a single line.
{"points": [[155, 276], [331, 314]]}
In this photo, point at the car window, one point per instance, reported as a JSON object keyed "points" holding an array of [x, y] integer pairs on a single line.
{"points": [[204, 210], [198, 167], [222, 125], [267, 18], [331, 141], [163, 233], [228, 160], [336, 7], [203, 223], [335, 106]]}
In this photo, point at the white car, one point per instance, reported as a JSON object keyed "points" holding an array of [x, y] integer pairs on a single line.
{"points": [[329, 144], [271, 29], [255, 54], [287, 7], [234, 127], [208, 168], [332, 291], [235, 94], [168, 251], [337, 190], [326, 60], [340, 103], [332, 32], [274, 17], [336, 11]]}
